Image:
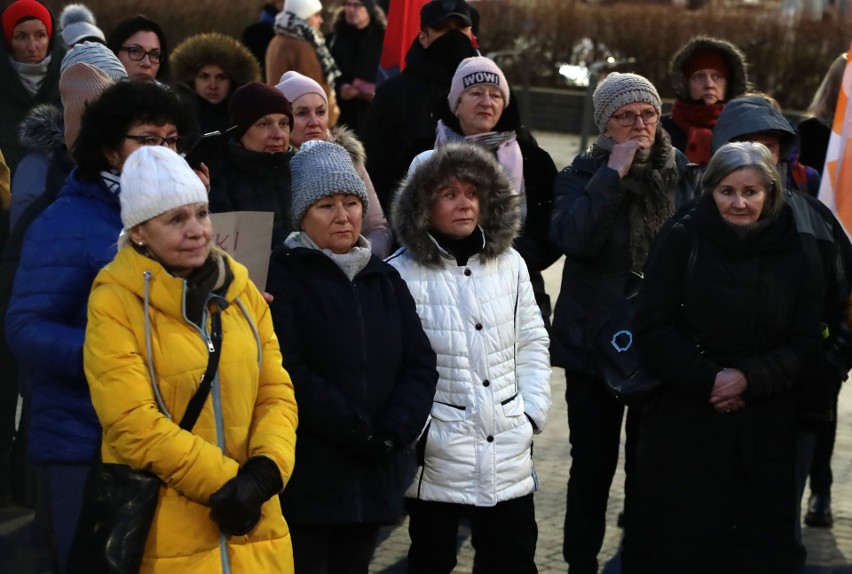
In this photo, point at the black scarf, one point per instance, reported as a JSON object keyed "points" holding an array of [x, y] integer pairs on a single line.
{"points": [[462, 249]]}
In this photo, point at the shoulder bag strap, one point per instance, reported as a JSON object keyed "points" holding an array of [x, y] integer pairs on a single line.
{"points": [[200, 396]]}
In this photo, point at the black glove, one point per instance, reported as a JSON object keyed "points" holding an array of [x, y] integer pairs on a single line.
{"points": [[375, 446], [236, 506]]}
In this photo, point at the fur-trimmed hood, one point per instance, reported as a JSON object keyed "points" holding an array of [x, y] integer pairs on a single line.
{"points": [[738, 83], [377, 18], [42, 130], [346, 138], [201, 50], [499, 206]]}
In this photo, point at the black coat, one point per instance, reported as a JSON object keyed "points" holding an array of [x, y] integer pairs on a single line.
{"points": [[403, 116], [360, 362], [16, 101], [591, 225], [254, 181], [357, 54], [716, 492]]}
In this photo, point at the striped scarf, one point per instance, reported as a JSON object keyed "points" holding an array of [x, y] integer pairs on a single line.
{"points": [[291, 25]]}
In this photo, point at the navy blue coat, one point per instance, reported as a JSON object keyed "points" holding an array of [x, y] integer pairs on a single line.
{"points": [[62, 253], [591, 225], [360, 362]]}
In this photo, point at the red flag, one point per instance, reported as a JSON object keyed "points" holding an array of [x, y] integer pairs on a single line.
{"points": [[403, 26]]}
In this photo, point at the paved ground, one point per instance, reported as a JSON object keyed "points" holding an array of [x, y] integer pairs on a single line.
{"points": [[829, 551]]}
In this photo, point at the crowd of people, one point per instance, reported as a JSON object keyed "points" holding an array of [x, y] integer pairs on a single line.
{"points": [[397, 360]]}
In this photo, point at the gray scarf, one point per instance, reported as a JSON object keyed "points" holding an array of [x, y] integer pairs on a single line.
{"points": [[31, 75], [650, 188], [350, 263]]}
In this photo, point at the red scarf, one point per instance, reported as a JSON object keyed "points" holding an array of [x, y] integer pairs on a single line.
{"points": [[697, 121]]}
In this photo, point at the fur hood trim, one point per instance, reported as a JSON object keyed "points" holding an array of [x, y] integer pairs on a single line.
{"points": [[201, 50], [42, 131], [499, 205], [377, 17], [346, 138], [738, 82]]}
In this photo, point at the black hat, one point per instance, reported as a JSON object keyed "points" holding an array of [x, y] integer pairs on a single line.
{"points": [[254, 100], [436, 11]]}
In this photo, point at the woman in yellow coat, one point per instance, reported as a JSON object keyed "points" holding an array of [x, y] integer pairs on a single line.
{"points": [[145, 352]]}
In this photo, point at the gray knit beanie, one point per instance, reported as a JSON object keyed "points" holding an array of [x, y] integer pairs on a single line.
{"points": [[321, 169], [619, 90]]}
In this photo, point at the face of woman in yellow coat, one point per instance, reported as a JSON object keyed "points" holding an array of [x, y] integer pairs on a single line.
{"points": [[178, 238]]}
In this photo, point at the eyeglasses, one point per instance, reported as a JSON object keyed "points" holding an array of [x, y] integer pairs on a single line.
{"points": [[137, 54], [172, 141], [649, 117]]}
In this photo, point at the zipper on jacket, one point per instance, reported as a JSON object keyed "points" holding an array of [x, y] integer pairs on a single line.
{"points": [[363, 384]]}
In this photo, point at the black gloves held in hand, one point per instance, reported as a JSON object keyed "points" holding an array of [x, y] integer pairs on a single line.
{"points": [[236, 506], [374, 446]]}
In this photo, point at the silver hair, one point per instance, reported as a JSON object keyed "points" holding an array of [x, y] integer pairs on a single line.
{"points": [[741, 155]]}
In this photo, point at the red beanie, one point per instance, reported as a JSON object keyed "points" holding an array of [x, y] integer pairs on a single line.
{"points": [[21, 9], [704, 60]]}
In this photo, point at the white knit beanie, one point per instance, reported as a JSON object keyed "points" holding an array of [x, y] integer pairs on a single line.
{"points": [[154, 180], [303, 9], [475, 71], [618, 90], [295, 85], [321, 169]]}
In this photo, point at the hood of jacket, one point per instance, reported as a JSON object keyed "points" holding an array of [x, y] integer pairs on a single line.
{"points": [[166, 292], [210, 48], [346, 138], [378, 19], [751, 115], [42, 130], [737, 82], [499, 207]]}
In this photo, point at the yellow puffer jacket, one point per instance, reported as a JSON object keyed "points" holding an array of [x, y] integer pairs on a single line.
{"points": [[251, 409]]}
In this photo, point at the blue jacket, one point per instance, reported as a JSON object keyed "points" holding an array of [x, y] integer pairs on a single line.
{"points": [[62, 253]]}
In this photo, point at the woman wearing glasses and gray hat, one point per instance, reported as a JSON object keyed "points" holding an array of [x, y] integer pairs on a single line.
{"points": [[608, 206]]}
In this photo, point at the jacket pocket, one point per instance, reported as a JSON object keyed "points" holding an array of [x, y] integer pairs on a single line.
{"points": [[513, 406], [449, 413]]}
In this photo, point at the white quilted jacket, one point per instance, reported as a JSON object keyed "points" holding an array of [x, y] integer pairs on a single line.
{"points": [[494, 367]]}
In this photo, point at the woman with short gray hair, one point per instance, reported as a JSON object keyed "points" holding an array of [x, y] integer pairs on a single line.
{"points": [[728, 316]]}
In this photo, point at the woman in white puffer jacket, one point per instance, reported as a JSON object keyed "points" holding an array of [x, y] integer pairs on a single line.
{"points": [[456, 216]]}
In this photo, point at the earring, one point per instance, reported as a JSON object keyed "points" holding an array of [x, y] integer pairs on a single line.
{"points": [[140, 244]]}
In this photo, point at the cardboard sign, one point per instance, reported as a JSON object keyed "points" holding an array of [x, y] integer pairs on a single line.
{"points": [[246, 236]]}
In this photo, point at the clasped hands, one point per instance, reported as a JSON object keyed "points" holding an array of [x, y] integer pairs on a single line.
{"points": [[236, 506], [728, 388]]}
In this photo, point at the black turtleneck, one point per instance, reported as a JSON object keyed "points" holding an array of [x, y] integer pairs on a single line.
{"points": [[462, 249]]}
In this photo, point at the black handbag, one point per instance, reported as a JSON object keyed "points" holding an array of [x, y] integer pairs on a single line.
{"points": [[617, 359], [119, 502]]}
